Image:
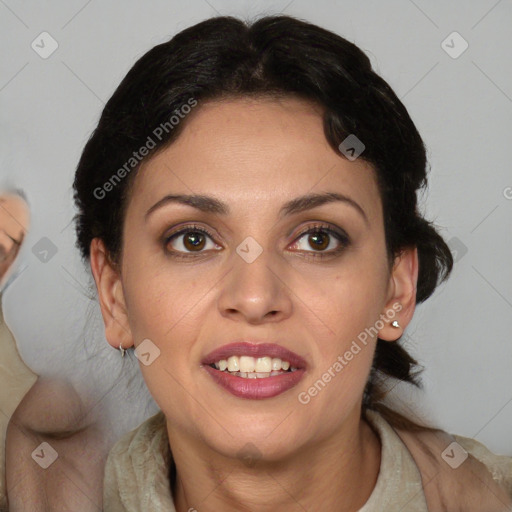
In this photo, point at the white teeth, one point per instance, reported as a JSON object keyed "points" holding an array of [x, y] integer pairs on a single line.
{"points": [[233, 364], [263, 364], [247, 364], [255, 375], [254, 368]]}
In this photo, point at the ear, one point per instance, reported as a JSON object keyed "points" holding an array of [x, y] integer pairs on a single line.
{"points": [[111, 296], [401, 298]]}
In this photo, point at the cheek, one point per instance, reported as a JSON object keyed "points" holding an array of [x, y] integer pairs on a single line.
{"points": [[162, 298], [167, 306], [341, 301]]}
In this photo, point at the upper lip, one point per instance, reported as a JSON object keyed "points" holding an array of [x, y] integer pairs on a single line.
{"points": [[254, 349]]}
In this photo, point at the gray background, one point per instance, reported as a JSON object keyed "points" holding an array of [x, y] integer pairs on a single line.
{"points": [[462, 107]]}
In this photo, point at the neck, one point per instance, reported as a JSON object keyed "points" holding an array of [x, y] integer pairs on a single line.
{"points": [[338, 473]]}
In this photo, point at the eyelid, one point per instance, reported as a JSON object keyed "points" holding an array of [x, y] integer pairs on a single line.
{"points": [[340, 234], [193, 226], [181, 229], [324, 226]]}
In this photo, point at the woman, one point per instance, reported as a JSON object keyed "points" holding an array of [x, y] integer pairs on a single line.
{"points": [[247, 204]]}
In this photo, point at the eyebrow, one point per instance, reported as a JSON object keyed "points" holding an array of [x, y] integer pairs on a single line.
{"points": [[209, 204]]}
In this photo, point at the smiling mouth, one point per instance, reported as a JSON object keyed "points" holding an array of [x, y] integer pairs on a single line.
{"points": [[254, 370], [248, 367]]}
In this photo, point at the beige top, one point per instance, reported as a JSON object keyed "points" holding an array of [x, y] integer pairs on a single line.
{"points": [[16, 379], [413, 472]]}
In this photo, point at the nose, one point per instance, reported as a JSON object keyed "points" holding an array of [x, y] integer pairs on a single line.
{"points": [[256, 292]]}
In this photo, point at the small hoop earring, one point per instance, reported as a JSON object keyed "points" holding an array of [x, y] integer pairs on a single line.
{"points": [[122, 349], [395, 323]]}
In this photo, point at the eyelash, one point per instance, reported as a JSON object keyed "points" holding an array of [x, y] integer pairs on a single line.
{"points": [[341, 236]]}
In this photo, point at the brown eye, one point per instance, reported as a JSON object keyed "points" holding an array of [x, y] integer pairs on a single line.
{"points": [[190, 239], [320, 238], [194, 241]]}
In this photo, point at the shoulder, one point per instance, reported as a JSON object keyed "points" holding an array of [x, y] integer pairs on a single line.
{"points": [[459, 473], [136, 471], [500, 466]]}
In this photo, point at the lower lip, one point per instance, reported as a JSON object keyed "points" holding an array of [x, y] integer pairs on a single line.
{"points": [[255, 389]]}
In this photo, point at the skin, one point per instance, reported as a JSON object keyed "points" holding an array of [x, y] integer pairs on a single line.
{"points": [[255, 155], [51, 411], [14, 219]]}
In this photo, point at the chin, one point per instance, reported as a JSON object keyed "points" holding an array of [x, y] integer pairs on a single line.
{"points": [[251, 450], [272, 438]]}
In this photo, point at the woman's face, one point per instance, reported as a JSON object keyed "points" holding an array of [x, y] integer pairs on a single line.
{"points": [[255, 278]]}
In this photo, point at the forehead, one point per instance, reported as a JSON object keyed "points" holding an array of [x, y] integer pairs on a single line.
{"points": [[252, 150]]}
